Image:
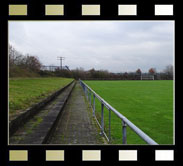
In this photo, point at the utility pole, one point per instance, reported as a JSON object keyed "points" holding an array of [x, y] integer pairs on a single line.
{"points": [[60, 58]]}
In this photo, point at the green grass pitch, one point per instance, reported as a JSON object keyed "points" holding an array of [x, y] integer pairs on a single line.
{"points": [[147, 104]]}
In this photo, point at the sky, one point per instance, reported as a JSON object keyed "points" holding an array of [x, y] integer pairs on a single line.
{"points": [[116, 46]]}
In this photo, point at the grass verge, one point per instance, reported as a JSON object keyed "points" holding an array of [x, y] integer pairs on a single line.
{"points": [[24, 92]]}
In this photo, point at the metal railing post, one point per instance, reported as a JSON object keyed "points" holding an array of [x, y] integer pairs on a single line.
{"points": [[93, 105], [109, 125], [102, 118], [124, 132], [87, 93], [90, 97], [85, 89]]}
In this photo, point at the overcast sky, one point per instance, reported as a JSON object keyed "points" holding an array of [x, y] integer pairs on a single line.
{"points": [[117, 46]]}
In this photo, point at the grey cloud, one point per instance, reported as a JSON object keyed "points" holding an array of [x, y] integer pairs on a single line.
{"points": [[113, 45]]}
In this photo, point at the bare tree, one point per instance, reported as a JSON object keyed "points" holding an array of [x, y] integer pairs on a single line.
{"points": [[15, 57], [152, 71], [138, 71], [169, 71], [33, 63], [20, 64]]}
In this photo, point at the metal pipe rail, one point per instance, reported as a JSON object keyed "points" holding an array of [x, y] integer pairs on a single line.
{"points": [[125, 122]]}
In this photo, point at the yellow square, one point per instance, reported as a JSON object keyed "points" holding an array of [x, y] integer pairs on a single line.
{"points": [[90, 9], [54, 10], [18, 155], [15, 10], [55, 155], [91, 155]]}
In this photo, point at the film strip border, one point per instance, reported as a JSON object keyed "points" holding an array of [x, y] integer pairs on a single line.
{"points": [[90, 155], [96, 10], [90, 10], [134, 10]]}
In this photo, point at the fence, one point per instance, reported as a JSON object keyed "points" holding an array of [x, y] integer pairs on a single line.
{"points": [[125, 122], [54, 68]]}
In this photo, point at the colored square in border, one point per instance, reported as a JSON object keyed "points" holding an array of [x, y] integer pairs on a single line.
{"points": [[163, 10], [54, 10], [164, 155], [17, 10], [129, 10], [127, 155], [92, 10], [54, 155], [18, 155], [91, 155]]}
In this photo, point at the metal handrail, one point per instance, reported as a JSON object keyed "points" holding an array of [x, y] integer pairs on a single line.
{"points": [[125, 121]]}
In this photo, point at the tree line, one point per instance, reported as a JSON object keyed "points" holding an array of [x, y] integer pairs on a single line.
{"points": [[22, 65], [166, 74], [30, 66]]}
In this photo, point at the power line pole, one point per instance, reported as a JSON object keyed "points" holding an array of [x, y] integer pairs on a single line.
{"points": [[60, 58]]}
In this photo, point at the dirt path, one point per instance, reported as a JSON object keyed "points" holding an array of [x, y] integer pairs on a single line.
{"points": [[76, 125]]}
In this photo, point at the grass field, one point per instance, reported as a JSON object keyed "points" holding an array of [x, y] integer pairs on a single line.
{"points": [[148, 104], [23, 92]]}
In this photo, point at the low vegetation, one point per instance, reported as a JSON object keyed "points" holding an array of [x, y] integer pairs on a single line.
{"points": [[147, 104], [23, 92]]}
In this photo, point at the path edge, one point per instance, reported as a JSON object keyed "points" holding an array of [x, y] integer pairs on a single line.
{"points": [[31, 111], [54, 125]]}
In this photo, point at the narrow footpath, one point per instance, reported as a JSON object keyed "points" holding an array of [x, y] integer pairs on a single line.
{"points": [[76, 125]]}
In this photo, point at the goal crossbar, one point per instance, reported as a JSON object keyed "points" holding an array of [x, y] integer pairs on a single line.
{"points": [[147, 77]]}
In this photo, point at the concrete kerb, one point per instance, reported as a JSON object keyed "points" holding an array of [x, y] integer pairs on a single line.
{"points": [[30, 112], [53, 127]]}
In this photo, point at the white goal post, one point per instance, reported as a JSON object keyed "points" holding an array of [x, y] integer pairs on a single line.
{"points": [[147, 77]]}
